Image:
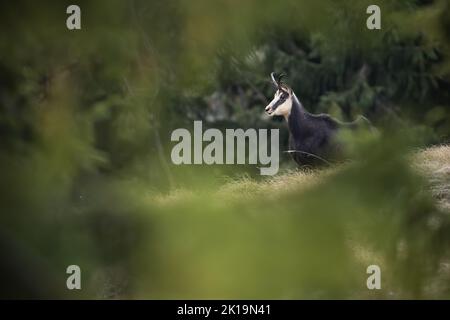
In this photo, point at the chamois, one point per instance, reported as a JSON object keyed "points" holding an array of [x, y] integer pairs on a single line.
{"points": [[312, 137]]}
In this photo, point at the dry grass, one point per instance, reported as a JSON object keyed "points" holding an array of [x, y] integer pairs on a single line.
{"points": [[271, 188], [434, 163]]}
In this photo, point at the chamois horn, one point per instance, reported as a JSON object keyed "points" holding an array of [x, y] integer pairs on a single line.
{"points": [[277, 82], [274, 81], [282, 75]]}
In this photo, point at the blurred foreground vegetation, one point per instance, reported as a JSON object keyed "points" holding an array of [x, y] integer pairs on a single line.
{"points": [[86, 177]]}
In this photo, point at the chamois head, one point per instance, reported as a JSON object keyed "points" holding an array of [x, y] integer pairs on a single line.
{"points": [[282, 101]]}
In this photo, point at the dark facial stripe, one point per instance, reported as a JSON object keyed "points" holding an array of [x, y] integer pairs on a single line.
{"points": [[280, 101]]}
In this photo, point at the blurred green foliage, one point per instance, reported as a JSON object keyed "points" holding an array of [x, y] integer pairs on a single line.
{"points": [[85, 123]]}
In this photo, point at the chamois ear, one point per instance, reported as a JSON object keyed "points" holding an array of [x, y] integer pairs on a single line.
{"points": [[280, 77], [289, 89]]}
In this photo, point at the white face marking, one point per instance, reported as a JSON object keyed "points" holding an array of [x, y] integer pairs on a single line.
{"points": [[283, 109]]}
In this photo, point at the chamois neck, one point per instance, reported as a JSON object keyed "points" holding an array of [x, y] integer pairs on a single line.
{"points": [[296, 116], [297, 109]]}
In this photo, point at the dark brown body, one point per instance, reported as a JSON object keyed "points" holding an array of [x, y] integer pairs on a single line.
{"points": [[313, 138]]}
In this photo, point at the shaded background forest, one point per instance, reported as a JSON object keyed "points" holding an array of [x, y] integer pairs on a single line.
{"points": [[85, 127]]}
